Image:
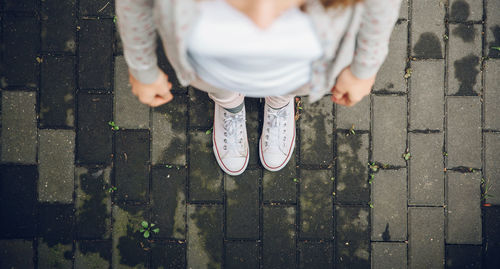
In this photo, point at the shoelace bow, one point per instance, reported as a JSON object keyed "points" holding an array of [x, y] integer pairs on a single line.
{"points": [[276, 135], [233, 133]]}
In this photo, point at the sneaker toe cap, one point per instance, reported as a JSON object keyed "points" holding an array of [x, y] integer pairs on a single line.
{"points": [[273, 160], [234, 165]]}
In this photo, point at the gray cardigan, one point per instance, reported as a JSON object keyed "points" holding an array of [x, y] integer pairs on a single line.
{"points": [[357, 36]]}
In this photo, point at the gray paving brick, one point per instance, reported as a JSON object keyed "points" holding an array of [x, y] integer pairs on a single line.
{"points": [[389, 129], [491, 167], [316, 205], [242, 255], [492, 94], [426, 237], [359, 115], [279, 186], [463, 208], [390, 77], [463, 256], [492, 29], [93, 254], [16, 254], [316, 147], [204, 249], [426, 169], [129, 112], [427, 95], [403, 11], [56, 166], [428, 29], [389, 216], [19, 127], [352, 246], [389, 255], [242, 205], [279, 237], [463, 141], [315, 255], [466, 10], [464, 77]]}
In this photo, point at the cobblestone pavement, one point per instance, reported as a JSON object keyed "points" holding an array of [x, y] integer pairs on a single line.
{"points": [[73, 192]]}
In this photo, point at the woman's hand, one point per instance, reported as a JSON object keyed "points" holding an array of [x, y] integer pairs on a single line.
{"points": [[154, 94], [349, 89]]}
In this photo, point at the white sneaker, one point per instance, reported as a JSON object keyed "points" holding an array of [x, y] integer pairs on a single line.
{"points": [[278, 137], [230, 141]]}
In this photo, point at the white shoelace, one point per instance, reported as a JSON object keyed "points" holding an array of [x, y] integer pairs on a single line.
{"points": [[276, 131], [233, 133]]}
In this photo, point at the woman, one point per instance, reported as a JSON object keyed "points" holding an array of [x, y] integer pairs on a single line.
{"points": [[275, 49]]}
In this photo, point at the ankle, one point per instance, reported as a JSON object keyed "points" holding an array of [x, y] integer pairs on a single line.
{"points": [[236, 109]]}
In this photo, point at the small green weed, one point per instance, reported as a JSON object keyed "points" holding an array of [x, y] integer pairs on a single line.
{"points": [[295, 179], [407, 73], [113, 125], [112, 189], [406, 155], [373, 167], [495, 48], [147, 228], [209, 131]]}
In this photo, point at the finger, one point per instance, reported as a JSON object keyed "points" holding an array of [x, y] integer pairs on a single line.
{"points": [[337, 93], [341, 101], [158, 101], [146, 99]]}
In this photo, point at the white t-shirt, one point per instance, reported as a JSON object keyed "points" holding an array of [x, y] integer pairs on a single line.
{"points": [[229, 51]]}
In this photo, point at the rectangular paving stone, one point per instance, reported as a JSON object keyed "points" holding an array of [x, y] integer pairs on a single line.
{"points": [[492, 257], [253, 108], [168, 255], [426, 169], [58, 23], [18, 196], [389, 217], [491, 94], [357, 115], [315, 255], [464, 77], [427, 95], [19, 131], [201, 109], [403, 11], [95, 54], [205, 176], [57, 92], [93, 254], [427, 30], [56, 157], [316, 147], [491, 222], [242, 205], [492, 29], [94, 135], [463, 210], [316, 205], [279, 186], [463, 141], [389, 129], [16, 254], [132, 165], [204, 249], [93, 202], [242, 255], [28, 5], [352, 168], [390, 77], [129, 112], [426, 237], [389, 255], [168, 199], [352, 246], [466, 10], [463, 256], [97, 7], [491, 168], [279, 237]]}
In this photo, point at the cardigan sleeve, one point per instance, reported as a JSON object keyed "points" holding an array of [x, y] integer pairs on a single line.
{"points": [[138, 35], [372, 43]]}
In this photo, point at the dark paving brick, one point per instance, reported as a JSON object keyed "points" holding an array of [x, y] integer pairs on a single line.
{"points": [[316, 255], [131, 164], [169, 132], [466, 10], [168, 255], [130, 113], [95, 54], [390, 77], [464, 77], [492, 258], [316, 205], [352, 168], [389, 255], [16, 254], [491, 94], [492, 29], [463, 256], [56, 157], [279, 186], [169, 201], [94, 135], [428, 29], [389, 216], [17, 200], [492, 170], [58, 25], [279, 237], [463, 210], [426, 176], [97, 7], [204, 248], [389, 129], [463, 143], [427, 95], [359, 115], [242, 255], [352, 246], [426, 237], [205, 176], [316, 147], [491, 224], [21, 37], [242, 205], [93, 202], [12, 5], [57, 92], [201, 109], [19, 140], [93, 254], [253, 107]]}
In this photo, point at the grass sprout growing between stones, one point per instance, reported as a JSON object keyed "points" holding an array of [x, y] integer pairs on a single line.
{"points": [[169, 166], [209, 131], [495, 48], [295, 179], [373, 167], [112, 189], [407, 73], [351, 131], [113, 125], [372, 176], [407, 155], [485, 188], [147, 228]]}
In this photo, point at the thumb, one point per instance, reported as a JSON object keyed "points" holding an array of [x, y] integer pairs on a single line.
{"points": [[337, 93]]}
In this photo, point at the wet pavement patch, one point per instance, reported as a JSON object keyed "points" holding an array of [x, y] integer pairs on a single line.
{"points": [[428, 46], [466, 71]]}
